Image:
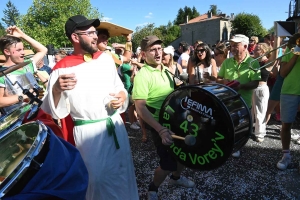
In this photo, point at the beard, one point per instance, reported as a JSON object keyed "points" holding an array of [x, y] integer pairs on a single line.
{"points": [[87, 47]]}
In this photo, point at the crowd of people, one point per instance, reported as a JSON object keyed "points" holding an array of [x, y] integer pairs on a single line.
{"points": [[137, 83]]}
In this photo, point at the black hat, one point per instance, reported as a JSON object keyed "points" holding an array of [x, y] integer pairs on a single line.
{"points": [[79, 21]]}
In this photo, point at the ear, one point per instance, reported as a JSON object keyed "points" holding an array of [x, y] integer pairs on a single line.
{"points": [[75, 37], [143, 53], [6, 52]]}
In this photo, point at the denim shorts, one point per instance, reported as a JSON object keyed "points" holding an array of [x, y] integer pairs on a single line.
{"points": [[289, 107]]}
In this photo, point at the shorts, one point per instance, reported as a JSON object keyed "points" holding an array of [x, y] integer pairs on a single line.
{"points": [[275, 93], [288, 107], [167, 162]]}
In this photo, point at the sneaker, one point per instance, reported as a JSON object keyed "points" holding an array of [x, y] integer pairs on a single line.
{"points": [[134, 126], [259, 139], [295, 136], [236, 154], [284, 162], [183, 181], [152, 195]]}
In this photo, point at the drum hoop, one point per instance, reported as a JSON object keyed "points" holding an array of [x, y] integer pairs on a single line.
{"points": [[21, 169], [16, 121]]}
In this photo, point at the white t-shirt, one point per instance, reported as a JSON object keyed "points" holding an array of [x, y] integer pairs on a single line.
{"points": [[184, 56]]}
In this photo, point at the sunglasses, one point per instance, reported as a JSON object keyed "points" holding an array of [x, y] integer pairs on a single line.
{"points": [[200, 50]]}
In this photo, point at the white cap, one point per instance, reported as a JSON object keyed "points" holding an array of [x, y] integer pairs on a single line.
{"points": [[240, 38], [138, 50], [169, 50]]}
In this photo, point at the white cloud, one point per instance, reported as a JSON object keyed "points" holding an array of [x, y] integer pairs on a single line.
{"points": [[149, 15], [106, 19], [143, 24]]}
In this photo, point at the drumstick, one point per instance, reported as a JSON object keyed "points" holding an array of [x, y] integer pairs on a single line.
{"points": [[188, 140], [13, 68]]}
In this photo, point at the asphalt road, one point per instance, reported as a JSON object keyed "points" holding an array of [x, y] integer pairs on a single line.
{"points": [[252, 176]]}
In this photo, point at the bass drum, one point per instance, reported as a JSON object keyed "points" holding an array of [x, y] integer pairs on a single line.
{"points": [[215, 115], [13, 120], [36, 164]]}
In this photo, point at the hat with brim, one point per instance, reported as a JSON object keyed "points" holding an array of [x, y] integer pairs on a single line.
{"points": [[240, 38], [113, 29], [79, 21], [149, 41], [169, 50]]}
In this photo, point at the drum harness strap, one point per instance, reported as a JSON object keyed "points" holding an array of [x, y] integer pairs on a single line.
{"points": [[109, 125]]}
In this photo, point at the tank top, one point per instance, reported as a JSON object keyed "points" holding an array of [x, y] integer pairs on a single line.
{"points": [[199, 72]]}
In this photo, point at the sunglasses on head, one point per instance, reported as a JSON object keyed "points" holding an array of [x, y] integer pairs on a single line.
{"points": [[200, 50]]}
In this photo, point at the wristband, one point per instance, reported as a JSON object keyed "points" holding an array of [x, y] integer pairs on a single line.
{"points": [[45, 81]]}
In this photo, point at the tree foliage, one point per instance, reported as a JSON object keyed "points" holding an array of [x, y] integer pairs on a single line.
{"points": [[271, 30], [214, 10], [140, 33], [248, 24], [183, 13], [167, 33], [45, 19], [11, 14], [2, 30]]}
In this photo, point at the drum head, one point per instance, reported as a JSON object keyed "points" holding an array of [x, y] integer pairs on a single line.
{"points": [[18, 148], [8, 122], [205, 112]]}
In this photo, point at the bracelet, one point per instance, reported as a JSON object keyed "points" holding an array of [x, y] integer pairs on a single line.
{"points": [[45, 81]]}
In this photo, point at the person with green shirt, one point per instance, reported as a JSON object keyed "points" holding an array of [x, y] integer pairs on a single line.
{"points": [[289, 102], [12, 47], [237, 68], [152, 85]]}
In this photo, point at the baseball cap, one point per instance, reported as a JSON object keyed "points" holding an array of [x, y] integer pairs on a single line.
{"points": [[240, 38], [169, 50], [148, 41], [79, 21]]}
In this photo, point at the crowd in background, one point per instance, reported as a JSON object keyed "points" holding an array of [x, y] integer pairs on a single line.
{"points": [[266, 82]]}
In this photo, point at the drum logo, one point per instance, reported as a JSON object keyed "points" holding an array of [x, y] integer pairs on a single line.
{"points": [[189, 104]]}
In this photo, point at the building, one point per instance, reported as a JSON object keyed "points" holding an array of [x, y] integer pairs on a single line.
{"points": [[207, 28]]}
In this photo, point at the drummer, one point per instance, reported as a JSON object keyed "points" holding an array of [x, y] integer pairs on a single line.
{"points": [[12, 48], [151, 86]]}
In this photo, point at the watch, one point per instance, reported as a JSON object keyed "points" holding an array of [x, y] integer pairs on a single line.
{"points": [[20, 98]]}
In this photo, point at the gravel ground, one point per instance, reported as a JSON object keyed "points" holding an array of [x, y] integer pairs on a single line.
{"points": [[252, 176]]}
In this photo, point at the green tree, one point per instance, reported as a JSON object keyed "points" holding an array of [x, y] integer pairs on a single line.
{"points": [[214, 10], [2, 30], [271, 30], [248, 24], [169, 33], [117, 39], [11, 14], [45, 19], [183, 13], [140, 33]]}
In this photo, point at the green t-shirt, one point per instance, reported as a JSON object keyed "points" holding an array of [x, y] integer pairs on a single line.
{"points": [[25, 69], [231, 70], [126, 72], [291, 84], [154, 86]]}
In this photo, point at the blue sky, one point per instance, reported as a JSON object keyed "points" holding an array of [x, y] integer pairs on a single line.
{"points": [[133, 13]]}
